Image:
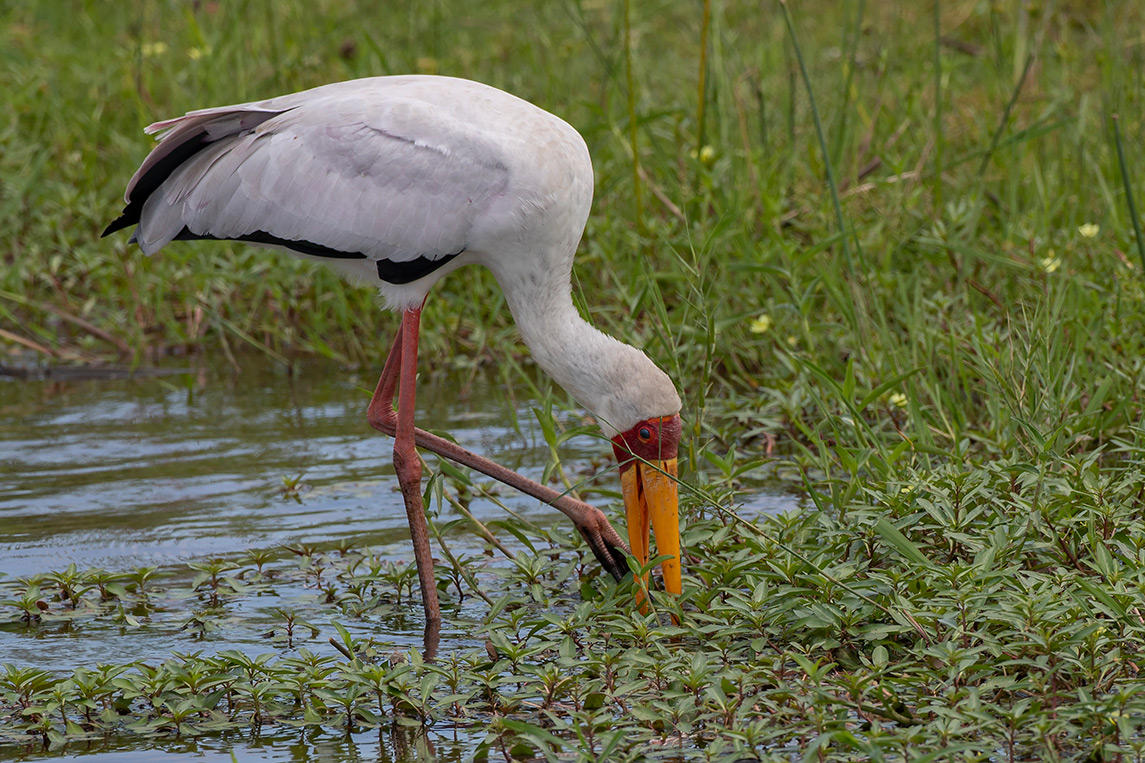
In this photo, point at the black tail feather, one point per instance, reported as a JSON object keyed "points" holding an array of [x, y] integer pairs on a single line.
{"points": [[154, 178], [121, 222]]}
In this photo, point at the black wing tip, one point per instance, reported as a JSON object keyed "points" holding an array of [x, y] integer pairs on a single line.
{"points": [[155, 177], [125, 220]]}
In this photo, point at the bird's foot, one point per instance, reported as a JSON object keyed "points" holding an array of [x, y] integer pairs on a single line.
{"points": [[606, 544]]}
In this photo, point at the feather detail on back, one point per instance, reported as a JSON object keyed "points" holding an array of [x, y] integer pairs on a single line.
{"points": [[363, 167]]}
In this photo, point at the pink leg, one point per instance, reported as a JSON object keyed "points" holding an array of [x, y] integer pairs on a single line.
{"points": [[400, 371], [381, 413]]}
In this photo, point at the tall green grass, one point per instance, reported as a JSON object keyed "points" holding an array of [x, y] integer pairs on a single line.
{"points": [[949, 198]]}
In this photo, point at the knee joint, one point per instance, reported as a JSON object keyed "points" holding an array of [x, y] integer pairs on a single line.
{"points": [[383, 421]]}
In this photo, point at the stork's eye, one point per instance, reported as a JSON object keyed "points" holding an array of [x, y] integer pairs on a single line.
{"points": [[645, 434]]}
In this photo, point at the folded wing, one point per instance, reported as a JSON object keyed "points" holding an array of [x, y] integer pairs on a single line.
{"points": [[336, 171]]}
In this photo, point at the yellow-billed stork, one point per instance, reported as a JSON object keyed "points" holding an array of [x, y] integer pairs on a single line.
{"points": [[399, 181]]}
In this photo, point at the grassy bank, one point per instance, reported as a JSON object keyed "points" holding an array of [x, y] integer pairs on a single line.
{"points": [[926, 287]]}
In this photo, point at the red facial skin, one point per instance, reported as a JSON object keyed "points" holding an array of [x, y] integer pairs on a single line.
{"points": [[652, 440]]}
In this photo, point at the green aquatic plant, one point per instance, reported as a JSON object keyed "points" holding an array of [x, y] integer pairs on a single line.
{"points": [[29, 603], [292, 627], [292, 487], [213, 582], [70, 583], [783, 654]]}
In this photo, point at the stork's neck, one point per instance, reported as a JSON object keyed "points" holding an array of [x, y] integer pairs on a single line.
{"points": [[616, 382]]}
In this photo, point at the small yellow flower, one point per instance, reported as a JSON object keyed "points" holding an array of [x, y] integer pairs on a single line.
{"points": [[792, 340], [196, 53], [1089, 230], [898, 400], [904, 489], [1051, 264], [761, 324], [706, 155], [151, 49]]}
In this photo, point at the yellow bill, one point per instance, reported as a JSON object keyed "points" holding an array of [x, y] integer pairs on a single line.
{"points": [[651, 500]]}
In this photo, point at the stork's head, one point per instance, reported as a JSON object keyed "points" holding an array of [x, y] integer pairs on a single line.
{"points": [[647, 457], [637, 408]]}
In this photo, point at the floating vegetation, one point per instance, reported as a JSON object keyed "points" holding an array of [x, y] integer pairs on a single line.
{"points": [[993, 613]]}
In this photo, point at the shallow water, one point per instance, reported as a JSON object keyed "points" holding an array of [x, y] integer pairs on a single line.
{"points": [[119, 474], [161, 471], [394, 743]]}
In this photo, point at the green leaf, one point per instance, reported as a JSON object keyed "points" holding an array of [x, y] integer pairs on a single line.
{"points": [[594, 701], [1101, 595], [901, 543], [535, 732], [878, 391]]}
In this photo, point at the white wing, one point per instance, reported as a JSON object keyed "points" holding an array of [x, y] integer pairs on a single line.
{"points": [[367, 167]]}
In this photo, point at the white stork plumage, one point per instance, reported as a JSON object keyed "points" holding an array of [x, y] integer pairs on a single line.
{"points": [[399, 181]]}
